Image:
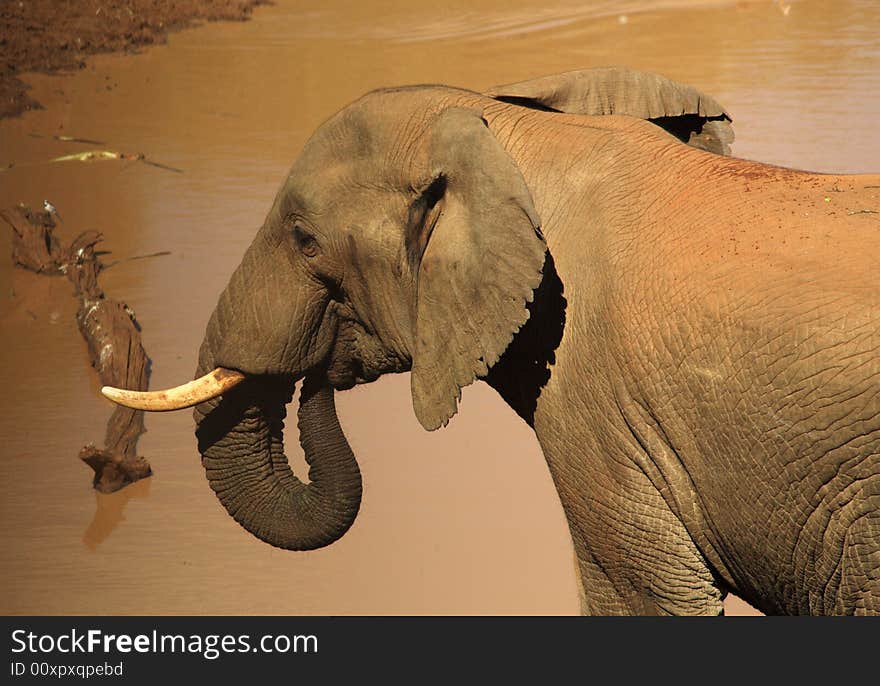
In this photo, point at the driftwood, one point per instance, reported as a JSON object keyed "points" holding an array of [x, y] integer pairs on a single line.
{"points": [[34, 247], [111, 333]]}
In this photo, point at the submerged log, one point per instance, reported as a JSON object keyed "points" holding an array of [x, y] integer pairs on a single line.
{"points": [[111, 332], [115, 350]]}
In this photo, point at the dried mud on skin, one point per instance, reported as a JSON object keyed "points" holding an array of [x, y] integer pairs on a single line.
{"points": [[48, 36], [110, 330]]}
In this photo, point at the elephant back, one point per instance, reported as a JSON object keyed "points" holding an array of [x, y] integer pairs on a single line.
{"points": [[691, 116]]}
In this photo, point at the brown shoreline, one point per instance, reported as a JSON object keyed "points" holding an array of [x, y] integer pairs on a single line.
{"points": [[49, 36]]}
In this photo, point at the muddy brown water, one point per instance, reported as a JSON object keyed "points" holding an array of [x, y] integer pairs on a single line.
{"points": [[464, 520]]}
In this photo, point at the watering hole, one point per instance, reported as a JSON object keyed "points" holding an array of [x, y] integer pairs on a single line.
{"points": [[464, 520]]}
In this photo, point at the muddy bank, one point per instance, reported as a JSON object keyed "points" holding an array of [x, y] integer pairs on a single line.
{"points": [[49, 36]]}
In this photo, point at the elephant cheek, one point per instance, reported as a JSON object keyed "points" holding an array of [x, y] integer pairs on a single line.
{"points": [[273, 317]]}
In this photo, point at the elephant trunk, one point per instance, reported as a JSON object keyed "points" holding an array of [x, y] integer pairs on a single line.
{"points": [[240, 438]]}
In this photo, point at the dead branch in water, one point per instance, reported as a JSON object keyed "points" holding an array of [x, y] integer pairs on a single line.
{"points": [[160, 253], [97, 156], [34, 246], [110, 330]]}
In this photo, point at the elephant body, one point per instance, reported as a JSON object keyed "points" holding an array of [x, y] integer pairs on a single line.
{"points": [[694, 338], [713, 417]]}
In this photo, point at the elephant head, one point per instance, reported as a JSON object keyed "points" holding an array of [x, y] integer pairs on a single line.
{"points": [[404, 238]]}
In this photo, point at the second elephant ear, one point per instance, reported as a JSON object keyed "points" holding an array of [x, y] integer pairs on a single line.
{"points": [[477, 252], [689, 115]]}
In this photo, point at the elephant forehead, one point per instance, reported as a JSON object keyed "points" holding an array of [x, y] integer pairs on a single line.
{"points": [[334, 185], [383, 134], [346, 189]]}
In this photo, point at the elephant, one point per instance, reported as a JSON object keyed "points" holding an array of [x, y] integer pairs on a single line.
{"points": [[694, 338]]}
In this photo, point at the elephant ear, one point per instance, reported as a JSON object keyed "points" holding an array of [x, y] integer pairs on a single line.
{"points": [[477, 251], [691, 116]]}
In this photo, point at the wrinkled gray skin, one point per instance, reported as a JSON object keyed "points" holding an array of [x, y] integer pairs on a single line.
{"points": [[705, 388]]}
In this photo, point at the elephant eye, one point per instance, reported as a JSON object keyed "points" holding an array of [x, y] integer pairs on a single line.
{"points": [[305, 241]]}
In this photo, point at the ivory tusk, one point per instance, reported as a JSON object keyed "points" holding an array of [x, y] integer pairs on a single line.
{"points": [[197, 391]]}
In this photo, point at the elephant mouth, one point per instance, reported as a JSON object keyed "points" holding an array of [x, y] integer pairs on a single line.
{"points": [[343, 374], [359, 357]]}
